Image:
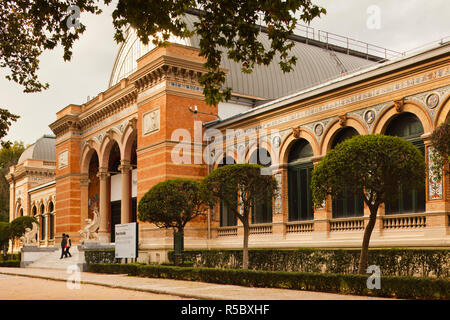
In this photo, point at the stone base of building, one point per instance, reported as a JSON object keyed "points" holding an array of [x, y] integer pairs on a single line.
{"points": [[30, 254]]}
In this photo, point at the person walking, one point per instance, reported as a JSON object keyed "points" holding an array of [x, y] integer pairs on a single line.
{"points": [[63, 245], [68, 245]]}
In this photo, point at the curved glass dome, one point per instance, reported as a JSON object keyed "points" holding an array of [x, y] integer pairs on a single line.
{"points": [[131, 50]]}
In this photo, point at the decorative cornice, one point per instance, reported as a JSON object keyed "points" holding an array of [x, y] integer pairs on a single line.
{"points": [[164, 68], [108, 109], [170, 72], [62, 125], [25, 171]]}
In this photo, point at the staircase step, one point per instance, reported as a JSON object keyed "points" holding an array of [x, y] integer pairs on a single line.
{"points": [[52, 260]]}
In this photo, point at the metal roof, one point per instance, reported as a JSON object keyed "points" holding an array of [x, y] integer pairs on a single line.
{"points": [[433, 50], [316, 64], [43, 149]]}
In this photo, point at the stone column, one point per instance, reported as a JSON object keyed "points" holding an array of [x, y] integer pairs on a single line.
{"points": [[280, 207], [47, 228], [12, 200], [125, 204], [436, 205], [103, 232], [84, 189]]}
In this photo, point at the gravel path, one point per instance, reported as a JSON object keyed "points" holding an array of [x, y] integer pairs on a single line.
{"points": [[25, 288], [93, 284]]}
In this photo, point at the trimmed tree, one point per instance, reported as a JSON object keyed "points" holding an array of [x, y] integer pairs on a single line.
{"points": [[241, 187], [440, 139], [18, 226], [373, 167], [172, 204]]}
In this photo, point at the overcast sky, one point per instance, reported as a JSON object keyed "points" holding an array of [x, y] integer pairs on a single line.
{"points": [[402, 25]]}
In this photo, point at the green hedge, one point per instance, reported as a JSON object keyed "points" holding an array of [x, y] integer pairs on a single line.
{"points": [[392, 287], [393, 262], [100, 256], [10, 256], [10, 264], [188, 264]]}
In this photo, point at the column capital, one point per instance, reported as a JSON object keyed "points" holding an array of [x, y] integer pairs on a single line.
{"points": [[84, 182], [125, 166], [426, 137], [103, 173]]}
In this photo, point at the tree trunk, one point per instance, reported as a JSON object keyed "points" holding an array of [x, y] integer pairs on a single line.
{"points": [[363, 258], [245, 251]]}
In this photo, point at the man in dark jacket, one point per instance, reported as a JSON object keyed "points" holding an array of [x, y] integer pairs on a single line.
{"points": [[63, 245], [68, 245]]}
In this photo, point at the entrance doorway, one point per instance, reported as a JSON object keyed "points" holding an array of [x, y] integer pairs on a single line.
{"points": [[115, 218]]}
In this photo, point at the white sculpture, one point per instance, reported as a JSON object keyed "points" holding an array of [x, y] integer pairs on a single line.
{"points": [[90, 230], [30, 234]]}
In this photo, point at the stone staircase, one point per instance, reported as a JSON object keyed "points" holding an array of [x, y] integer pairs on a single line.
{"points": [[52, 260]]}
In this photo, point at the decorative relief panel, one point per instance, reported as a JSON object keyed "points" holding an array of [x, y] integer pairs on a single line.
{"points": [[435, 188], [151, 121], [63, 159], [279, 195], [321, 206], [318, 127], [276, 141], [370, 114], [431, 99], [121, 127], [241, 152], [371, 93]]}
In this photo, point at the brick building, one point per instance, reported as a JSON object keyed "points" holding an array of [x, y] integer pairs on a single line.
{"points": [[109, 151]]}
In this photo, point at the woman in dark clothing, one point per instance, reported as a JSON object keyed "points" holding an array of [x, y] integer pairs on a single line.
{"points": [[68, 245], [63, 246]]}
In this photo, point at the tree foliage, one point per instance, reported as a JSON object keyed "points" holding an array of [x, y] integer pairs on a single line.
{"points": [[373, 167], [5, 236], [28, 27], [173, 203], [9, 155], [440, 139], [6, 119], [18, 226], [245, 183]]}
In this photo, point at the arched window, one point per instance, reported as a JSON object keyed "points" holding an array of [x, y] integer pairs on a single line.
{"points": [[261, 213], [21, 212], [227, 217], [299, 179], [51, 221], [42, 222], [346, 205], [408, 127]]}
